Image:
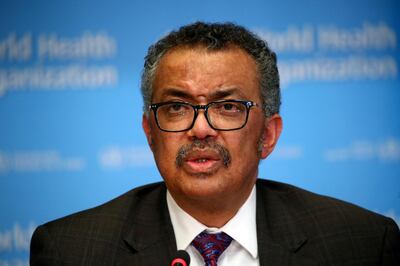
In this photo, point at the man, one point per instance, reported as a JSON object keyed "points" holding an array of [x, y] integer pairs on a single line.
{"points": [[211, 97]]}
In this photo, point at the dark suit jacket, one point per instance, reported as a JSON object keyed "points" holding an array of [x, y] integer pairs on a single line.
{"points": [[294, 227]]}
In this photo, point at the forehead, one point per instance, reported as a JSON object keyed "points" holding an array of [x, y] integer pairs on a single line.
{"points": [[202, 74]]}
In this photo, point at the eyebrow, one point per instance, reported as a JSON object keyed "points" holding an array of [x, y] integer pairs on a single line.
{"points": [[176, 93], [215, 95]]}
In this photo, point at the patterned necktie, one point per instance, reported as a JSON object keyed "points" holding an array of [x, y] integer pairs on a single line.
{"points": [[211, 246]]}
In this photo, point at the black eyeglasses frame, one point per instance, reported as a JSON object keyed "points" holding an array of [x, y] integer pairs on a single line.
{"points": [[197, 107]]}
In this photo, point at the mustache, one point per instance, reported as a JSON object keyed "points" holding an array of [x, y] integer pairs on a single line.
{"points": [[205, 144]]}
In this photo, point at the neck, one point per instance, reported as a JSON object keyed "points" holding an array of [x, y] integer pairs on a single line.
{"points": [[213, 212]]}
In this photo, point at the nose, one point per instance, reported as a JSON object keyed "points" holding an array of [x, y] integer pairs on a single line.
{"points": [[201, 128]]}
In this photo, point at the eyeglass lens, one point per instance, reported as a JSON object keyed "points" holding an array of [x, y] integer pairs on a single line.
{"points": [[225, 115]]}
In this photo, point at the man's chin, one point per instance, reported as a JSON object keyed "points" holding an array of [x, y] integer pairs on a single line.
{"points": [[205, 174], [202, 192]]}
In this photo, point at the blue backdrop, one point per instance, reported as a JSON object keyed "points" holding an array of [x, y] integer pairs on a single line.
{"points": [[70, 104]]}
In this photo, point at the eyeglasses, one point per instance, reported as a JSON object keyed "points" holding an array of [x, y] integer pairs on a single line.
{"points": [[221, 115]]}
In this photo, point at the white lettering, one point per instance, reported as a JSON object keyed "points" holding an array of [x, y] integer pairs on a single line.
{"points": [[386, 151], [374, 37], [118, 158], [14, 262], [89, 45], [287, 152], [57, 78], [338, 69], [14, 49], [5, 241], [294, 39], [33, 161], [17, 238]]}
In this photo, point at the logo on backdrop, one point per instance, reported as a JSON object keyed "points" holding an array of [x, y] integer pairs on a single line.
{"points": [[16, 239], [55, 62], [287, 152], [115, 157], [38, 161], [387, 150], [331, 53]]}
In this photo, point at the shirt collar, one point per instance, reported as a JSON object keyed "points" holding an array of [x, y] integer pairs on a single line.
{"points": [[242, 227]]}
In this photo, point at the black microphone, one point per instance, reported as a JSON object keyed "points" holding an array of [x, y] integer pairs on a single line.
{"points": [[181, 258]]}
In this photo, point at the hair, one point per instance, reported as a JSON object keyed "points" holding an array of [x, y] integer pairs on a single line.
{"points": [[218, 36]]}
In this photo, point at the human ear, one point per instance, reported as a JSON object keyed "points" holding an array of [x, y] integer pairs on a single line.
{"points": [[272, 131], [147, 129]]}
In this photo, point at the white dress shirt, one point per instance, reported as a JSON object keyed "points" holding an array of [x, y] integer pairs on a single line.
{"points": [[242, 228]]}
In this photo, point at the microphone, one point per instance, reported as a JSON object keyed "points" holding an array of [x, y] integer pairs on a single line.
{"points": [[181, 258]]}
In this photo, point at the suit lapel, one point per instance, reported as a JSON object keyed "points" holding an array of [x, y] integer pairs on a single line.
{"points": [[280, 240], [149, 233], [149, 238]]}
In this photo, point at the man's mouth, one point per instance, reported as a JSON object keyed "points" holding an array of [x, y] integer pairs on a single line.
{"points": [[200, 160], [202, 157], [198, 163]]}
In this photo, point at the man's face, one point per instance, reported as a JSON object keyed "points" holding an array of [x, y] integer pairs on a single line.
{"points": [[203, 163]]}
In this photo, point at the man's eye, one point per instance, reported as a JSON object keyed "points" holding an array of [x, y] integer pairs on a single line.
{"points": [[176, 107], [228, 107]]}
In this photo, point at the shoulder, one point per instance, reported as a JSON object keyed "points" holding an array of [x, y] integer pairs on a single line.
{"points": [[332, 226], [305, 203], [117, 209], [90, 233]]}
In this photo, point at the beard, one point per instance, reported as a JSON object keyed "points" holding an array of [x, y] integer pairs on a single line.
{"points": [[206, 144]]}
